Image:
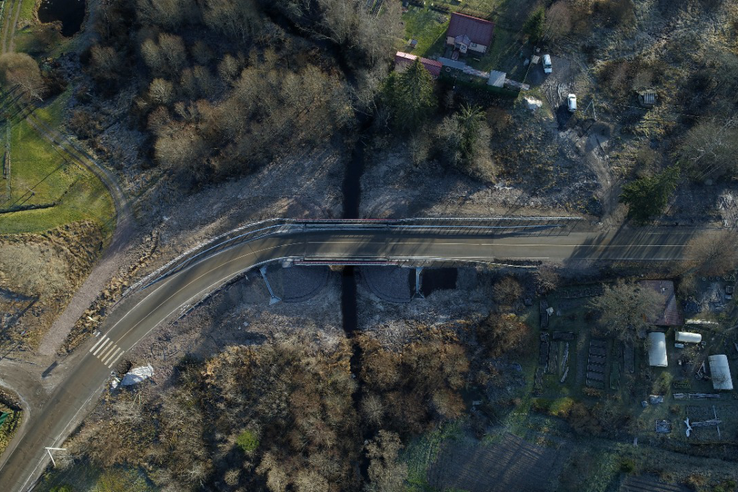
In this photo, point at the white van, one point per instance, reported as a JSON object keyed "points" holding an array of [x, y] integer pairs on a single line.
{"points": [[547, 67]]}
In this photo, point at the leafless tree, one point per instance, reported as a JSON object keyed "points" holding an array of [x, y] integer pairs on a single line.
{"points": [[627, 308], [105, 61], [165, 13], [714, 252], [19, 71], [711, 146], [161, 91]]}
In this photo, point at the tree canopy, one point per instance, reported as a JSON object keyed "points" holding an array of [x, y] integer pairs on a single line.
{"points": [[626, 308], [410, 96], [19, 71], [647, 197]]}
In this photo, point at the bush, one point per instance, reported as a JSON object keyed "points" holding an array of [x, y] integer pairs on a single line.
{"points": [[247, 441], [627, 465]]}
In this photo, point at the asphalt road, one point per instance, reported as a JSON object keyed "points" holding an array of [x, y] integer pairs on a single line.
{"points": [[143, 311]]}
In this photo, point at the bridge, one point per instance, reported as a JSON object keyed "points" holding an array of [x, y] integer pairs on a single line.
{"points": [[174, 288]]}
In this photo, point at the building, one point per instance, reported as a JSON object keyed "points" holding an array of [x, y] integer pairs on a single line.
{"points": [[404, 60], [657, 349], [687, 337], [720, 372], [466, 33], [669, 314]]}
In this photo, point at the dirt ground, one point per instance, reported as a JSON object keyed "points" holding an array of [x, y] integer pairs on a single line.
{"points": [[395, 323], [512, 464], [240, 314]]}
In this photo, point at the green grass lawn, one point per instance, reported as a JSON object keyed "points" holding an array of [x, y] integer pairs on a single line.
{"points": [[426, 27], [423, 451], [41, 176]]}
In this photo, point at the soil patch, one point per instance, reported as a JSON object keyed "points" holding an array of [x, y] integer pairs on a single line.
{"points": [[513, 464]]}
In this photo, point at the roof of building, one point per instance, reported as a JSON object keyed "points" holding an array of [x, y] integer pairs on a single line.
{"points": [[496, 78], [720, 372], [448, 62], [657, 349], [670, 316], [433, 66], [479, 30]]}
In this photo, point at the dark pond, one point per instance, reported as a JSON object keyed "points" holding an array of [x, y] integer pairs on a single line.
{"points": [[438, 279], [71, 13]]}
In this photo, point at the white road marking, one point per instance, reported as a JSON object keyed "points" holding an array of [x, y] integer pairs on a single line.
{"points": [[110, 366], [101, 346], [102, 355], [110, 357], [96, 344]]}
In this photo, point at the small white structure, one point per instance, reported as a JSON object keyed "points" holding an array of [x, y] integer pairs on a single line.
{"points": [[657, 349], [687, 337], [720, 372], [137, 374], [496, 78]]}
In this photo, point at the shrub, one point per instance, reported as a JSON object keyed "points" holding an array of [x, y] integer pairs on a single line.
{"points": [[247, 441], [627, 465]]}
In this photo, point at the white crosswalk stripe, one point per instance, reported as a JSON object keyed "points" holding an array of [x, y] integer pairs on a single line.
{"points": [[107, 340], [106, 351], [107, 359]]}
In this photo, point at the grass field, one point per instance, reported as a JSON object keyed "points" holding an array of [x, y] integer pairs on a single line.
{"points": [[84, 476], [429, 27], [41, 177]]}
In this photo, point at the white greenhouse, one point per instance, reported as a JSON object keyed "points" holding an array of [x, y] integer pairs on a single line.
{"points": [[720, 372], [687, 337], [657, 349]]}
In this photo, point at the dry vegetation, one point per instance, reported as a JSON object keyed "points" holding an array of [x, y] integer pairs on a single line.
{"points": [[224, 88], [44, 270]]}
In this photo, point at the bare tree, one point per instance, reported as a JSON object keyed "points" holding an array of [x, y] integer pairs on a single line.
{"points": [[387, 473], [173, 52], [714, 252], [711, 146], [105, 61], [20, 72], [161, 91], [626, 309], [152, 56], [238, 20], [165, 13], [558, 20]]}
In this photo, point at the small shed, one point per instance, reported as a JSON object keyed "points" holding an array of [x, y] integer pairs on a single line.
{"points": [[657, 349], [647, 98], [720, 372], [404, 60], [496, 78], [687, 337]]}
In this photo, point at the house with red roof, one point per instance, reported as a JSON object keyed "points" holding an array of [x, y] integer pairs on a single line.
{"points": [[404, 60], [467, 33]]}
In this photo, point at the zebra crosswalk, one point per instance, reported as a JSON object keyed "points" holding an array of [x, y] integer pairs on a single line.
{"points": [[106, 351]]}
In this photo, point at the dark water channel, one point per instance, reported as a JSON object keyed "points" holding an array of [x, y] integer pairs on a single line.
{"points": [[71, 13], [434, 279]]}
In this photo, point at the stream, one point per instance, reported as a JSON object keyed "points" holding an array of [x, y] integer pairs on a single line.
{"points": [[351, 197]]}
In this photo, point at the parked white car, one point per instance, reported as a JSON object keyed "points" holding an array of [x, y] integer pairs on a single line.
{"points": [[571, 102], [547, 67]]}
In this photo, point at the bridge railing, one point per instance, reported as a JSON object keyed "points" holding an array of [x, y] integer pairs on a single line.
{"points": [[270, 227]]}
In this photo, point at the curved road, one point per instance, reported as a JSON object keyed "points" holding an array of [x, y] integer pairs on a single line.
{"points": [[143, 311]]}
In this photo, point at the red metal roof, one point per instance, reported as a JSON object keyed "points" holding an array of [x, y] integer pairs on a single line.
{"points": [[479, 30], [670, 316], [433, 66]]}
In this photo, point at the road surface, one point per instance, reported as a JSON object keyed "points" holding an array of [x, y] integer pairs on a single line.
{"points": [[143, 311]]}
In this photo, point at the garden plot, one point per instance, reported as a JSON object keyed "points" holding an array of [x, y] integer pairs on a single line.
{"points": [[512, 464]]}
